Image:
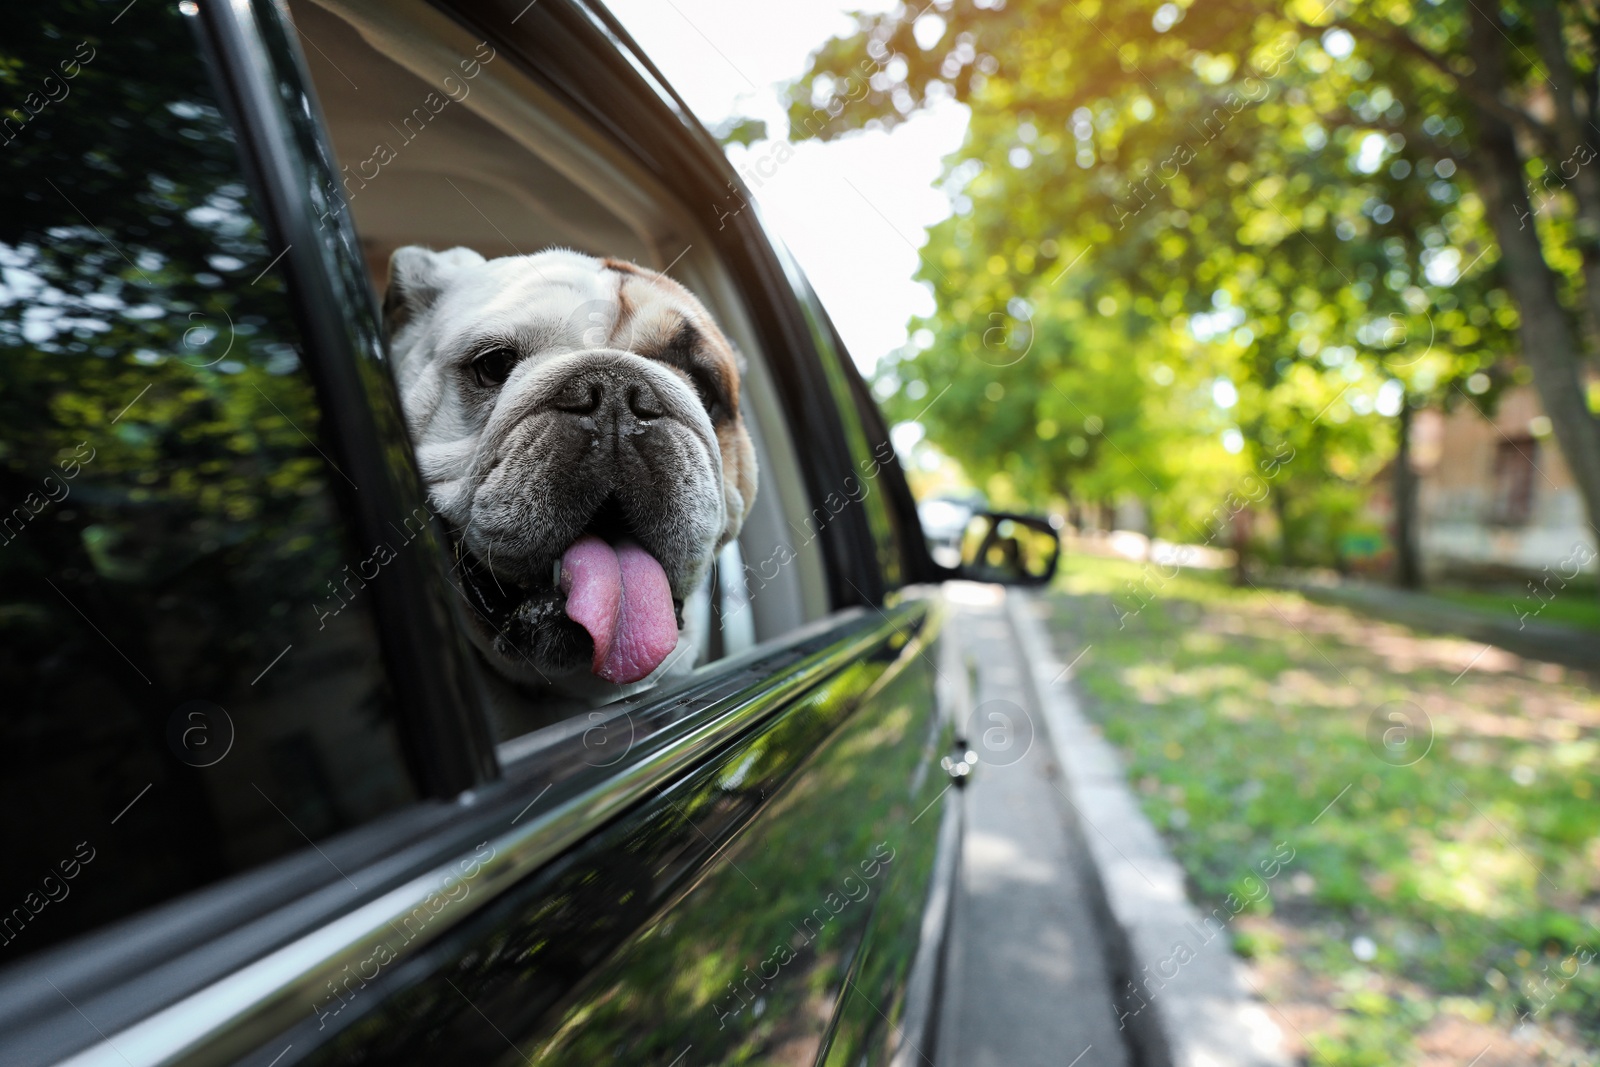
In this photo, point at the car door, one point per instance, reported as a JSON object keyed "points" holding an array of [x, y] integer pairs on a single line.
{"points": [[748, 867], [765, 898]]}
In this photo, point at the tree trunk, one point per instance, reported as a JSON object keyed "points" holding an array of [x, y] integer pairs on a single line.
{"points": [[1149, 531], [1280, 508], [1407, 560], [1571, 169], [1240, 537], [1549, 345]]}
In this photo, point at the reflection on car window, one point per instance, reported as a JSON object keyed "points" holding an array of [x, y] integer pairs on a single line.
{"points": [[191, 677]]}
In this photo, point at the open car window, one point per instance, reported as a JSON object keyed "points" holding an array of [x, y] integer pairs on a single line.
{"points": [[443, 142]]}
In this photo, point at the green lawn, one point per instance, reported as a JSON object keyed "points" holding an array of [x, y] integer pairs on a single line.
{"points": [[1575, 605], [1444, 896]]}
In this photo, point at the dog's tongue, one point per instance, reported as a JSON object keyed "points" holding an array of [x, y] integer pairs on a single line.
{"points": [[622, 598]]}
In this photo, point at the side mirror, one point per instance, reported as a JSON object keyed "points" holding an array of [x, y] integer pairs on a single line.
{"points": [[1012, 549]]}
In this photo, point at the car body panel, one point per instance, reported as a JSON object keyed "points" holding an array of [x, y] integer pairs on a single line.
{"points": [[802, 832]]}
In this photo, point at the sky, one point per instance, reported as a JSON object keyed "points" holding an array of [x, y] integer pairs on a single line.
{"points": [[853, 211]]}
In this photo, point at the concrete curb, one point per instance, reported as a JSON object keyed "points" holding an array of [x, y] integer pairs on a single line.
{"points": [[1180, 989]]}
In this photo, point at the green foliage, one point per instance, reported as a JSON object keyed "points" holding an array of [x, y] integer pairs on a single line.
{"points": [[1144, 208]]}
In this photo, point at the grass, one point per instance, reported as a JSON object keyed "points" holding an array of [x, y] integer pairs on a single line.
{"points": [[1574, 606], [1443, 899]]}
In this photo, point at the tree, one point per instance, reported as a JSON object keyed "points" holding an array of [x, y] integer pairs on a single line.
{"points": [[1308, 198]]}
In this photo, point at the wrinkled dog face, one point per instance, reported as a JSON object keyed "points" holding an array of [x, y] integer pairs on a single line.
{"points": [[577, 424]]}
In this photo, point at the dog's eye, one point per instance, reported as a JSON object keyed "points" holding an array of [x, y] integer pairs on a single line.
{"points": [[494, 367], [705, 384]]}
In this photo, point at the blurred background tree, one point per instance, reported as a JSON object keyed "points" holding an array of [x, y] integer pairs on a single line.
{"points": [[1183, 250]]}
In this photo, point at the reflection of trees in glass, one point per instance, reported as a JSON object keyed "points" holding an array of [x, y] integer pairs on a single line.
{"points": [[143, 338], [127, 266]]}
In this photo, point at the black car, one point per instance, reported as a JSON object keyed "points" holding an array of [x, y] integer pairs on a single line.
{"points": [[258, 807]]}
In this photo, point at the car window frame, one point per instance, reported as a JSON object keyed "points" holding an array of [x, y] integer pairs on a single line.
{"points": [[619, 92], [905, 528], [439, 704], [583, 66]]}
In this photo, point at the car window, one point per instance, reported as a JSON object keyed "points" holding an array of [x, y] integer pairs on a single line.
{"points": [[187, 651], [444, 142]]}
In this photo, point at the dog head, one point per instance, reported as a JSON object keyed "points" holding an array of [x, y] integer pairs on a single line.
{"points": [[577, 425]]}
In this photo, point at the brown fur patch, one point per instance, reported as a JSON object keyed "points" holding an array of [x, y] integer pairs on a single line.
{"points": [[653, 309]]}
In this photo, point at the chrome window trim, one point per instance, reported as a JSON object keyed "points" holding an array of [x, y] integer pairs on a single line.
{"points": [[228, 1018]]}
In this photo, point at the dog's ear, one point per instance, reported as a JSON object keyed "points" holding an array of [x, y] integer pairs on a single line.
{"points": [[739, 477], [417, 276]]}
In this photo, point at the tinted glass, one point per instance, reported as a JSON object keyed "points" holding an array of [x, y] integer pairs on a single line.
{"points": [[192, 682]]}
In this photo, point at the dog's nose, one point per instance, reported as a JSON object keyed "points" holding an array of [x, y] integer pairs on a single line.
{"points": [[578, 397], [609, 405], [643, 401]]}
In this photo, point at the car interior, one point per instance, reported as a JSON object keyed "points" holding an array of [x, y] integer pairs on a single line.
{"points": [[490, 161]]}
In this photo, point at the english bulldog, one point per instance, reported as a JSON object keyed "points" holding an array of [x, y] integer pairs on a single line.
{"points": [[576, 421]]}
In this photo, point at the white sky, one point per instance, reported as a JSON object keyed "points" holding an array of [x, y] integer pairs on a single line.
{"points": [[852, 211]]}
